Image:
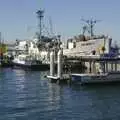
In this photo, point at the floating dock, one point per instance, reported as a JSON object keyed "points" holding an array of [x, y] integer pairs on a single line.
{"points": [[64, 79], [60, 76], [100, 69]]}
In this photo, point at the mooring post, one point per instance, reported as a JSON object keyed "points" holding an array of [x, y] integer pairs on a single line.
{"points": [[90, 67], [111, 66], [59, 64], [106, 66], [52, 64]]}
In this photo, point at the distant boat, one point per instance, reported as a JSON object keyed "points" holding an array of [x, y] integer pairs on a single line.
{"points": [[27, 62]]}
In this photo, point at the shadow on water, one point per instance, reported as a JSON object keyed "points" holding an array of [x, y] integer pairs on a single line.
{"points": [[95, 86]]}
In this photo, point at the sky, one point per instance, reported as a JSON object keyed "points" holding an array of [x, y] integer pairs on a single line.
{"points": [[18, 18]]}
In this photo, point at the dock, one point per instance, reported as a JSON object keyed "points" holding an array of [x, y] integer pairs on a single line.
{"points": [[100, 69], [60, 77], [64, 79]]}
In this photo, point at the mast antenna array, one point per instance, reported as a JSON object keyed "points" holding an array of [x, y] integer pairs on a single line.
{"points": [[90, 25]]}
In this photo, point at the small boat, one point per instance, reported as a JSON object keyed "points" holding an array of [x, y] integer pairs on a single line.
{"points": [[27, 62], [96, 78]]}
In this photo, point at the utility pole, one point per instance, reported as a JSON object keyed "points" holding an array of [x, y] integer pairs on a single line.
{"points": [[40, 16]]}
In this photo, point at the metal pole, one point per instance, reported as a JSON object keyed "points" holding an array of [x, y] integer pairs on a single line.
{"points": [[106, 66], [0, 39], [115, 66], [111, 66], [89, 66]]}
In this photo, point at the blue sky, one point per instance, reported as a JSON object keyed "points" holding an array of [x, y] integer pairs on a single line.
{"points": [[18, 17]]}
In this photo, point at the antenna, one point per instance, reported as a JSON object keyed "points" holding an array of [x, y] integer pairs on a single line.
{"points": [[0, 38], [40, 16], [51, 26], [46, 30], [84, 29], [90, 25]]}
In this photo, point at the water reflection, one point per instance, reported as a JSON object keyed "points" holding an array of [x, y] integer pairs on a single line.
{"points": [[100, 101], [28, 95], [54, 95], [104, 103]]}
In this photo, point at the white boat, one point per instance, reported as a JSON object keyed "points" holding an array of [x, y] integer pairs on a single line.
{"points": [[85, 44], [26, 61], [97, 53]]}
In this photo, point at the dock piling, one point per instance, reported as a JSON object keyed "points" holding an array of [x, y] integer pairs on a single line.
{"points": [[59, 68], [52, 67]]}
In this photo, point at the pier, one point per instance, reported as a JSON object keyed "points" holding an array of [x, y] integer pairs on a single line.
{"points": [[109, 63], [98, 67]]}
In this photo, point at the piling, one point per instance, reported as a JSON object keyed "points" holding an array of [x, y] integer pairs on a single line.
{"points": [[60, 77], [59, 63], [52, 66]]}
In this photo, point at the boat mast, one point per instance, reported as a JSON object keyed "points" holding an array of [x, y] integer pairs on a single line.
{"points": [[90, 26], [51, 27], [40, 16], [0, 38]]}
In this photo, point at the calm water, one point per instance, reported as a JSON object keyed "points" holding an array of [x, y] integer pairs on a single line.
{"points": [[27, 95]]}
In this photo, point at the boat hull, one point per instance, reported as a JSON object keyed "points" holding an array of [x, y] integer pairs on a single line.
{"points": [[96, 78], [6, 64], [32, 67]]}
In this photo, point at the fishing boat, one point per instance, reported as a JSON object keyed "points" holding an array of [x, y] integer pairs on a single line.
{"points": [[85, 44], [97, 54]]}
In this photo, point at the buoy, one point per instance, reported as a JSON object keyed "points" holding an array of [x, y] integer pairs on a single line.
{"points": [[52, 63], [59, 64]]}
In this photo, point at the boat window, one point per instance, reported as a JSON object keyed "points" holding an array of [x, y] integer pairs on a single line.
{"points": [[86, 44]]}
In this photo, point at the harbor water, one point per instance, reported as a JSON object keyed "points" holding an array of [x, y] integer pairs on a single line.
{"points": [[28, 95]]}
